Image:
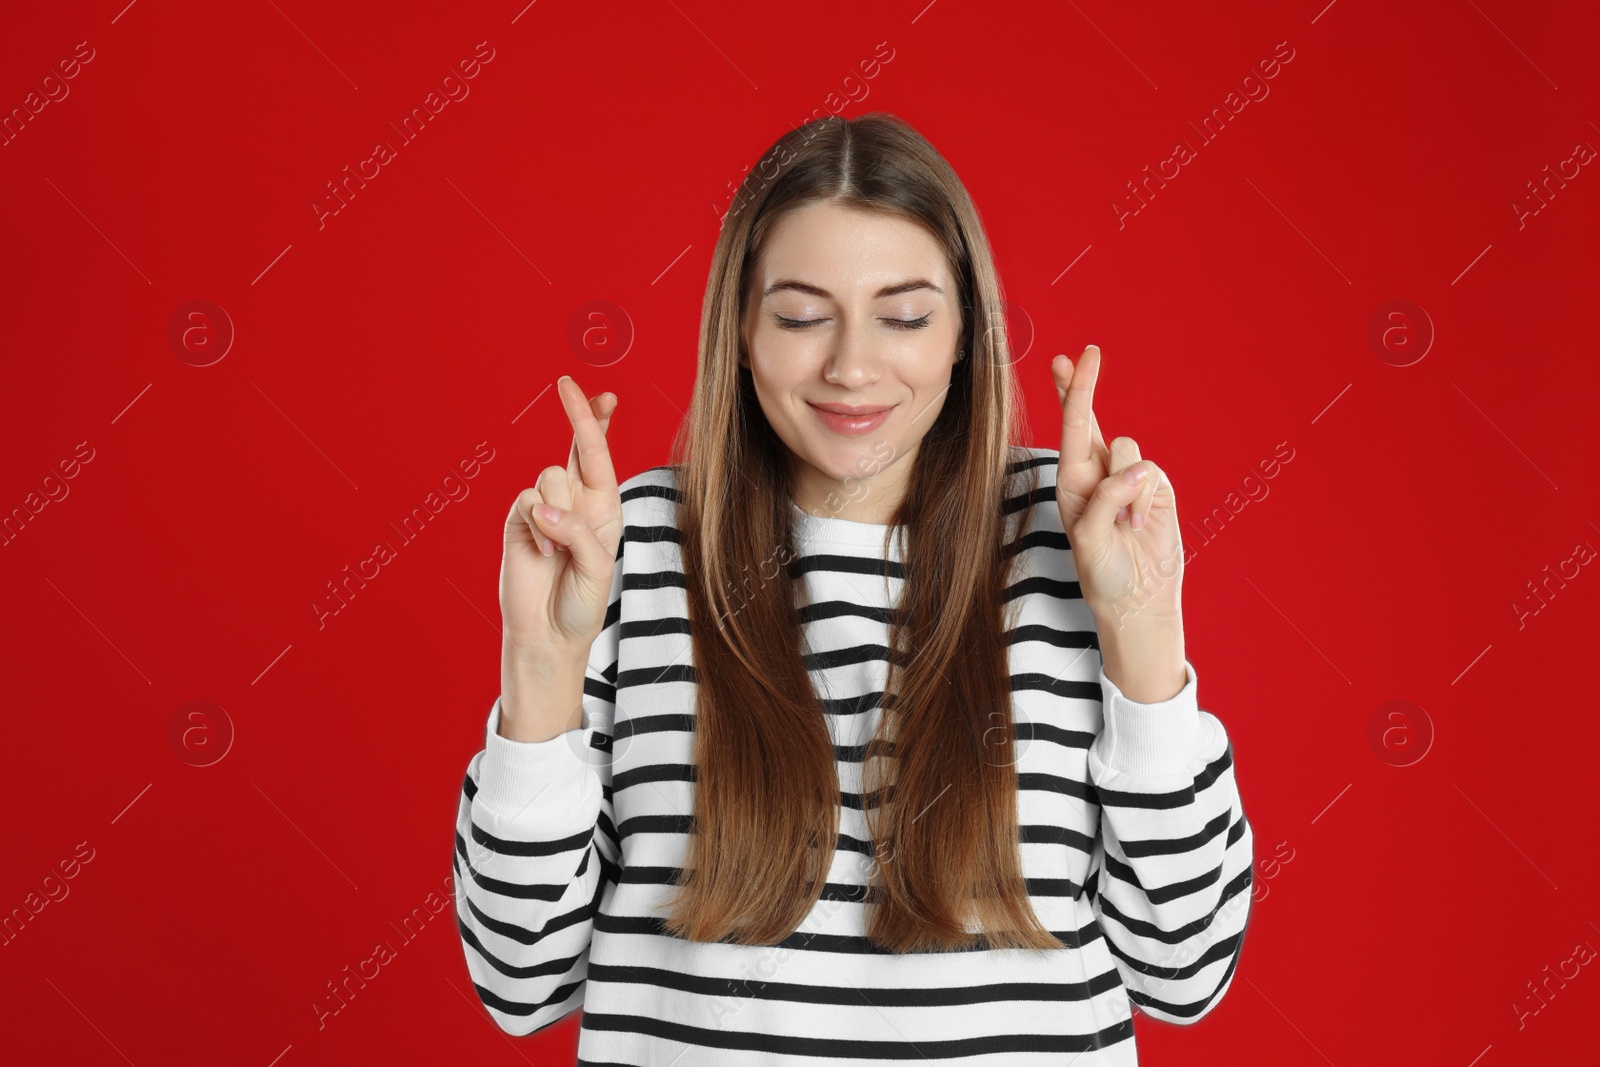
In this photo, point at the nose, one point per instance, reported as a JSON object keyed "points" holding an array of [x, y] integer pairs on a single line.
{"points": [[854, 362]]}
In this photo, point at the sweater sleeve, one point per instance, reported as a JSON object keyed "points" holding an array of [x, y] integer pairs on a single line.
{"points": [[1171, 874], [535, 848]]}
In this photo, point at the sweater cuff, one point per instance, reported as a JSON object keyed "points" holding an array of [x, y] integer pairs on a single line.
{"points": [[535, 783], [1149, 740]]}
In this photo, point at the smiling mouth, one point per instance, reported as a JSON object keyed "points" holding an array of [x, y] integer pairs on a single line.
{"points": [[852, 412], [851, 421]]}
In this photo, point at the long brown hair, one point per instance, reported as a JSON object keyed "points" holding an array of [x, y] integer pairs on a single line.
{"points": [[766, 818]]}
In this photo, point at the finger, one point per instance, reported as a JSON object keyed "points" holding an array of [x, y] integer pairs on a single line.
{"points": [[1147, 497], [520, 525], [602, 406], [1114, 494], [568, 529], [1075, 387], [1124, 453], [555, 489], [589, 440], [1100, 449]]}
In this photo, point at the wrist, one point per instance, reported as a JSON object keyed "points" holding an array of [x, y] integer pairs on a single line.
{"points": [[1147, 661], [541, 692], [539, 659], [1133, 611]]}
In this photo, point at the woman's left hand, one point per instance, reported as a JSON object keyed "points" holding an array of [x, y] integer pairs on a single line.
{"points": [[1124, 534]]}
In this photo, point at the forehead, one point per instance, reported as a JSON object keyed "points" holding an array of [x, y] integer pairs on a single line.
{"points": [[849, 252]]}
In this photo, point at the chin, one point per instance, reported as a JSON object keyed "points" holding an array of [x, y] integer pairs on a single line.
{"points": [[862, 458]]}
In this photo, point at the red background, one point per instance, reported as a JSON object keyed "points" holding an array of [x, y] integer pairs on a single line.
{"points": [[591, 161]]}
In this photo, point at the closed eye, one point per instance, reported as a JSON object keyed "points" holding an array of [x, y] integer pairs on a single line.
{"points": [[898, 324]]}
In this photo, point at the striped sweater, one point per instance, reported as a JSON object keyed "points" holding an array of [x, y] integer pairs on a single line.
{"points": [[1133, 841]]}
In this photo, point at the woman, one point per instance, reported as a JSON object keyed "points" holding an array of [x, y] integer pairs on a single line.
{"points": [[860, 732]]}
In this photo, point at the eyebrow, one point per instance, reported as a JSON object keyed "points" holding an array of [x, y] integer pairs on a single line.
{"points": [[815, 290]]}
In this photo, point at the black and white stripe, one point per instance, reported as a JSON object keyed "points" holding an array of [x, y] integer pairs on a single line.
{"points": [[1134, 843]]}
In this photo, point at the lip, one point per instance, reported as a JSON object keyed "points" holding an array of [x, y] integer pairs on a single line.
{"points": [[851, 421]]}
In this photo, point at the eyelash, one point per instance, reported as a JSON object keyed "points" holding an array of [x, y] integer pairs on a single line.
{"points": [[898, 324]]}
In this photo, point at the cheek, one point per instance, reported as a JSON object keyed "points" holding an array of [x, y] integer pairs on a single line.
{"points": [[776, 377], [929, 365], [783, 362]]}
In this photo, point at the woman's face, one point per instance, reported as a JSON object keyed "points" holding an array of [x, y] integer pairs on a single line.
{"points": [[849, 309]]}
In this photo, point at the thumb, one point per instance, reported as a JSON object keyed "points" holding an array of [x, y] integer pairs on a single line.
{"points": [[572, 531], [1114, 492]]}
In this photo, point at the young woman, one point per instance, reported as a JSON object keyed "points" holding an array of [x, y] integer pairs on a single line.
{"points": [[861, 732]]}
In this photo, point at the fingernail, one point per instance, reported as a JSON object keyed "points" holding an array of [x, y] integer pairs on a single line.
{"points": [[1135, 475], [1122, 513], [548, 513], [1137, 520]]}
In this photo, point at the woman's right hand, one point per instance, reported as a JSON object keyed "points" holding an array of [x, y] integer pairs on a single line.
{"points": [[555, 576]]}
